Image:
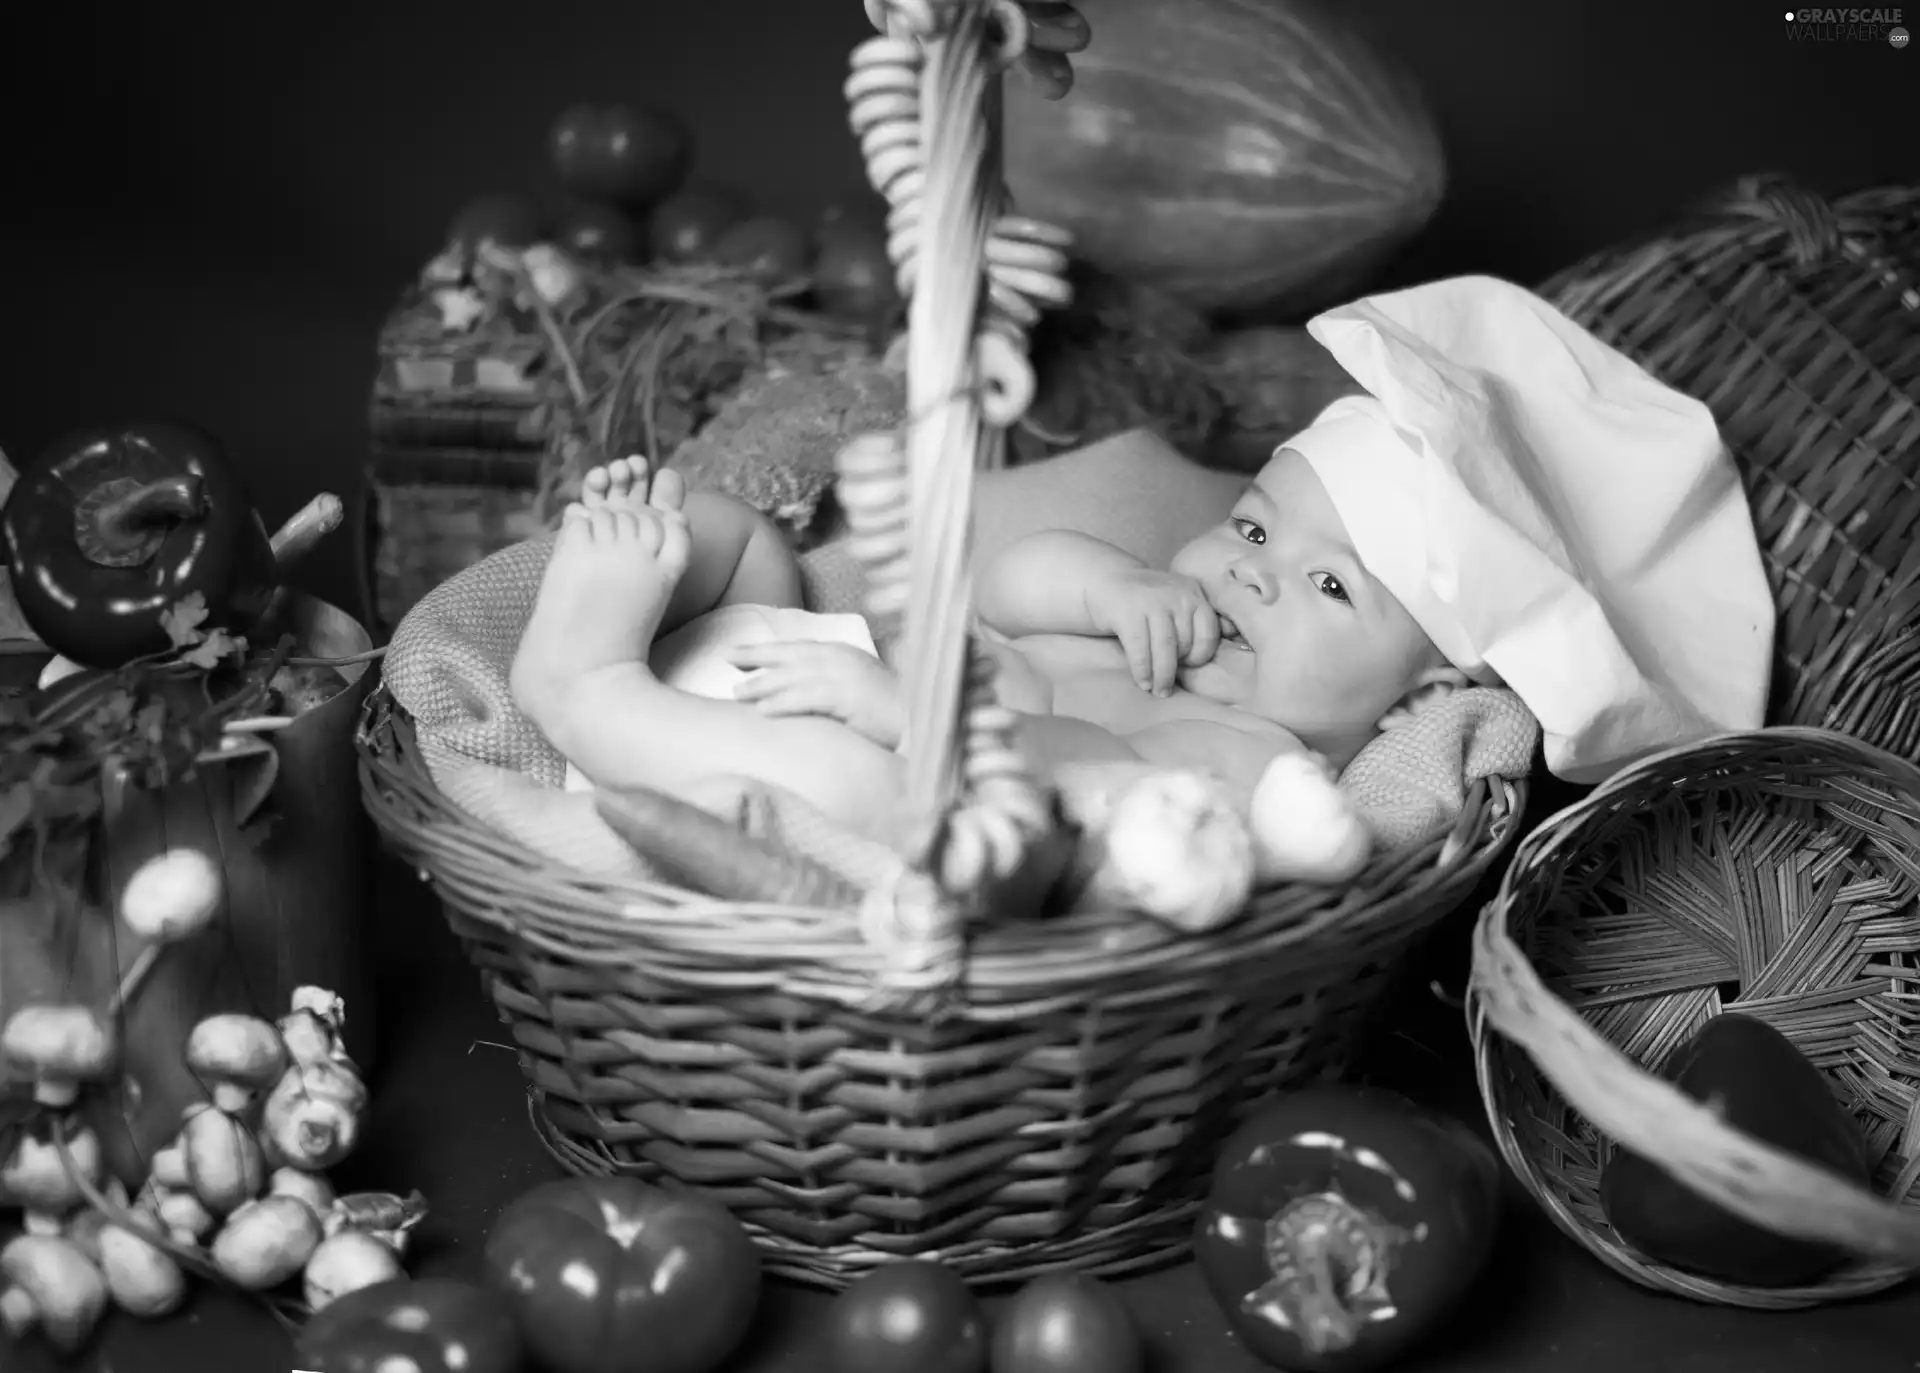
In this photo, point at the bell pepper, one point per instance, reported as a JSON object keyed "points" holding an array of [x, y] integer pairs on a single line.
{"points": [[606, 1274], [423, 1325], [1344, 1223], [1767, 1089], [109, 529]]}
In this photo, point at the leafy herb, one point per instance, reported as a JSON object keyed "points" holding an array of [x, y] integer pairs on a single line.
{"points": [[207, 649], [151, 720]]}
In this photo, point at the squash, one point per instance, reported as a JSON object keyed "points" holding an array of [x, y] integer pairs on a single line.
{"points": [[1245, 156]]}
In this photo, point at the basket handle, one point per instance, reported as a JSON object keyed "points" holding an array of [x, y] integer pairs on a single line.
{"points": [[923, 102], [1664, 1125]]}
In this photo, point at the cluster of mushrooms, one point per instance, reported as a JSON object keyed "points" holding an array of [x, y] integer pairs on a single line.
{"points": [[240, 1195]]}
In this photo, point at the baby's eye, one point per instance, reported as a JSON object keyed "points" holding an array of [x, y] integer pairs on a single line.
{"points": [[1330, 587], [1249, 531]]}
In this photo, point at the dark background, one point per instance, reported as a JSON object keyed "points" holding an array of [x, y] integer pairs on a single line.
{"points": [[208, 206]]}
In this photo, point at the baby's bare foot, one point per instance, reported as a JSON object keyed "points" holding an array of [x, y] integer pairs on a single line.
{"points": [[613, 571], [629, 484]]}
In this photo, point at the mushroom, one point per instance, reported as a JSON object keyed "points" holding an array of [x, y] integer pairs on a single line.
{"points": [[224, 1165], [266, 1242], [169, 1165], [185, 1216], [171, 896], [142, 1278], [312, 1030], [312, 1188], [311, 1120], [84, 1226], [346, 1262], [62, 1046], [49, 1283], [83, 1232], [237, 1057], [336, 1080], [37, 1178]]}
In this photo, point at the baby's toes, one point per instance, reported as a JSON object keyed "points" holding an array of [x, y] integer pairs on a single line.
{"points": [[575, 528], [625, 476], [595, 485], [669, 491]]}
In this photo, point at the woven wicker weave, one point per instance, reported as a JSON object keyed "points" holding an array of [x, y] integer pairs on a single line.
{"points": [[1798, 322], [1776, 872], [1062, 1108]]}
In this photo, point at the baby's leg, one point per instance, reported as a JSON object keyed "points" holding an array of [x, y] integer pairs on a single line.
{"points": [[737, 555], [581, 676]]}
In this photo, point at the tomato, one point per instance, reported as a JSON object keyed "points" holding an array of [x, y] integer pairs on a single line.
{"points": [[512, 221], [604, 1272], [765, 247], [1067, 1323], [1343, 1225], [424, 1325], [685, 225], [911, 1317], [853, 278], [620, 154], [598, 233], [865, 215]]}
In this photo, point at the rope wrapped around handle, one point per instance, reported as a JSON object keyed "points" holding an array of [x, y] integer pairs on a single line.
{"points": [[922, 100]]}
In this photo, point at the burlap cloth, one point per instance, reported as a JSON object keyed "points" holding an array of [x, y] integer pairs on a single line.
{"points": [[447, 668]]}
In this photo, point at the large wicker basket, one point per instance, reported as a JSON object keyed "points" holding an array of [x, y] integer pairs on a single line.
{"points": [[1798, 321], [1063, 1108], [1775, 873]]}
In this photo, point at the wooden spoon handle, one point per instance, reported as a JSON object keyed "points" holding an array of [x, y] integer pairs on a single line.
{"points": [[311, 523]]}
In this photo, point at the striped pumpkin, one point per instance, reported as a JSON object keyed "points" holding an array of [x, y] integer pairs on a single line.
{"points": [[1242, 155]]}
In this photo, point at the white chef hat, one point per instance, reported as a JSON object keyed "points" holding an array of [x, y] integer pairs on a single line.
{"points": [[1555, 518]]}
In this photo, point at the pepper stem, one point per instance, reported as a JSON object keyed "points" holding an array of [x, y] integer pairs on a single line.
{"points": [[1321, 1315], [125, 523], [1328, 1259]]}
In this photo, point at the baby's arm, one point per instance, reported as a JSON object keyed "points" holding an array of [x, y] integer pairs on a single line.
{"points": [[1039, 584], [1060, 582]]}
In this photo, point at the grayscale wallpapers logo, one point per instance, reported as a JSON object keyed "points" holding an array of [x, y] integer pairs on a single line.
{"points": [[1878, 25]]}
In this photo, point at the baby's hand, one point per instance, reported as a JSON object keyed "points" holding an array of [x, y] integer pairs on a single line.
{"points": [[839, 681], [1161, 619]]}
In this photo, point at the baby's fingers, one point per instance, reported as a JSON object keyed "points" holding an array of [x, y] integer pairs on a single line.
{"points": [[1206, 636], [773, 653], [772, 692], [761, 683], [1164, 635], [1136, 640]]}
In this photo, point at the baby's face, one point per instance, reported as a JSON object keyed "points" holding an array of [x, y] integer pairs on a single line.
{"points": [[1309, 639]]}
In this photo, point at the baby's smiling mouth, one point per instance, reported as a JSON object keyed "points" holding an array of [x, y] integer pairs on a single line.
{"points": [[1230, 635]]}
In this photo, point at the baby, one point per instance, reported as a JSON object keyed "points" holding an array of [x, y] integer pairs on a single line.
{"points": [[1266, 635], [1511, 501]]}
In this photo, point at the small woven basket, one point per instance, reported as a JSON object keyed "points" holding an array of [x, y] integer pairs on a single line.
{"points": [[1777, 872], [1007, 1096]]}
